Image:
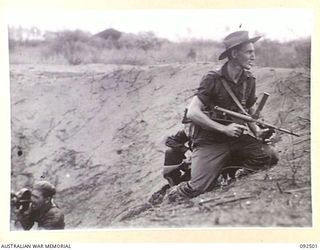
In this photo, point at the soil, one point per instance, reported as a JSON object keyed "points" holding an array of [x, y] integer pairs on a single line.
{"points": [[97, 132]]}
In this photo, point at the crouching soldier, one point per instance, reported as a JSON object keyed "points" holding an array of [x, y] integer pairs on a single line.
{"points": [[216, 143], [40, 209]]}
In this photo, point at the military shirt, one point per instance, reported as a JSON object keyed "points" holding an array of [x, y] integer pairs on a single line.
{"points": [[211, 92]]}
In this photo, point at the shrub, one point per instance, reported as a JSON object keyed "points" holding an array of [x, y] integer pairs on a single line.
{"points": [[71, 44], [303, 52], [100, 43], [12, 44], [144, 40], [287, 55]]}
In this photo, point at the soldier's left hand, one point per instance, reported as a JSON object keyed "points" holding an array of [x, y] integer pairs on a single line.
{"points": [[266, 134]]}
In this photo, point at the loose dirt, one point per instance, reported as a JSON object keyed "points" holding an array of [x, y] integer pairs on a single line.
{"points": [[97, 132]]}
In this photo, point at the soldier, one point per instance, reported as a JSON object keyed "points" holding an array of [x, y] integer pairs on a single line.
{"points": [[42, 209], [215, 144]]}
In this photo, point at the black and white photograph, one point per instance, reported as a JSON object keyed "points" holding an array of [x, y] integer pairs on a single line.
{"points": [[160, 118]]}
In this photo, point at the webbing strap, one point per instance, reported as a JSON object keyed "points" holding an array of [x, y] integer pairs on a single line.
{"points": [[234, 98], [244, 88]]}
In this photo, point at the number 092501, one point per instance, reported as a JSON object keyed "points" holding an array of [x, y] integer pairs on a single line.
{"points": [[308, 246]]}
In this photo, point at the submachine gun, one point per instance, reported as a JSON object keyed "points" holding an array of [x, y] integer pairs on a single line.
{"points": [[254, 118], [219, 114]]}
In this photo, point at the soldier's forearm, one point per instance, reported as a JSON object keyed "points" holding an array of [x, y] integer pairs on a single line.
{"points": [[205, 122]]}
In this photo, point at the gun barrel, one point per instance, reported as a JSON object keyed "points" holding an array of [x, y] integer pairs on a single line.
{"points": [[277, 128], [288, 132]]}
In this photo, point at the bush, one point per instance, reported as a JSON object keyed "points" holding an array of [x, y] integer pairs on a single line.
{"points": [[144, 40], [287, 55], [100, 43], [12, 44], [70, 44], [303, 52]]}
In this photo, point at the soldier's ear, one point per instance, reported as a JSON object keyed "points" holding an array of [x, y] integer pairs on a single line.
{"points": [[233, 53], [47, 200]]}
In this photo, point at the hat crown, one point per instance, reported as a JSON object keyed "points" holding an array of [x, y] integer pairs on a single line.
{"points": [[236, 38]]}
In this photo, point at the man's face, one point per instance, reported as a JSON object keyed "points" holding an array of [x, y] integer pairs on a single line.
{"points": [[245, 56], [38, 201]]}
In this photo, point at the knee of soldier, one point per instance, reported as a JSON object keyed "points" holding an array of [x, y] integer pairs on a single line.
{"points": [[267, 156]]}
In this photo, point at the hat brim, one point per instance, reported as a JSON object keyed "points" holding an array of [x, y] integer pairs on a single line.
{"points": [[224, 54]]}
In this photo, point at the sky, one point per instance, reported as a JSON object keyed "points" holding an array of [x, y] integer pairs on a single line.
{"points": [[176, 25]]}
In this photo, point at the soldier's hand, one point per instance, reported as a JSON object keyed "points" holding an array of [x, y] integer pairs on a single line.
{"points": [[234, 129], [266, 135]]}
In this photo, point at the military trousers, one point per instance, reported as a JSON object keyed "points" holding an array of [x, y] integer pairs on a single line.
{"points": [[208, 161]]}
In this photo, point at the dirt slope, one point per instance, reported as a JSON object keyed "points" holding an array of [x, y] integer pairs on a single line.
{"points": [[97, 132]]}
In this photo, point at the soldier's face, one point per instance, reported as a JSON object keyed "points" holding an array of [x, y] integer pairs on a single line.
{"points": [[245, 56], [38, 201]]}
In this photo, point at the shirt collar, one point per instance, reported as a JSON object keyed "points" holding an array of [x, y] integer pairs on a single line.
{"points": [[224, 73]]}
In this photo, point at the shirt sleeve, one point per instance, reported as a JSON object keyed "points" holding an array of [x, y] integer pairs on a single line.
{"points": [[204, 92]]}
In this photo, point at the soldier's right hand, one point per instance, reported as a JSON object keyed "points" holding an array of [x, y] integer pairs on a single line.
{"points": [[234, 129]]}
